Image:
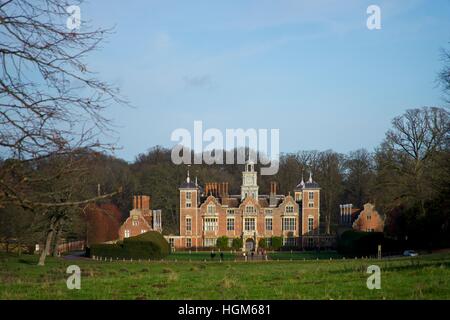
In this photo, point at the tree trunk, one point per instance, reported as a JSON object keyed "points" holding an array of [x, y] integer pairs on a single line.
{"points": [[46, 249], [57, 234]]}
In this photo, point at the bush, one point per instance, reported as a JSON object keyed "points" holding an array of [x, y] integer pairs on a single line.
{"points": [[149, 245], [262, 243], [237, 243], [277, 243], [222, 243], [356, 243]]}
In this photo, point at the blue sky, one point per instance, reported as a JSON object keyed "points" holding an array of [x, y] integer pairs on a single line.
{"points": [[309, 68]]}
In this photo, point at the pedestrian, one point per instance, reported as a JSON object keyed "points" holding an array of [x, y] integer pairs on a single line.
{"points": [[221, 256]]}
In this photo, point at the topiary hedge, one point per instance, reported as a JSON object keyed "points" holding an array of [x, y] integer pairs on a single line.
{"points": [[277, 243], [222, 243], [149, 245], [237, 243]]}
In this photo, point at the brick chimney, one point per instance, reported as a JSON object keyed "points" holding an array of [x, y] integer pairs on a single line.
{"points": [[273, 194]]}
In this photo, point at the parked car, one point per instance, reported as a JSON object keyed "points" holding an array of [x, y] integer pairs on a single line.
{"points": [[410, 253]]}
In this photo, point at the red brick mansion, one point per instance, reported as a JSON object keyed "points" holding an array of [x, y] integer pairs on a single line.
{"points": [[209, 212]]}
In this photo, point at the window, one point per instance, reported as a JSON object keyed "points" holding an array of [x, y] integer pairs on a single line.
{"points": [[230, 224], [209, 242], [188, 195], [311, 205], [269, 242], [210, 224], [289, 224], [269, 224], [250, 209], [172, 242], [298, 196], [289, 209], [127, 233], [369, 217], [143, 231], [269, 211], [188, 199], [249, 224], [188, 224], [310, 242], [310, 224], [311, 196], [211, 209], [188, 242], [135, 223], [230, 211]]}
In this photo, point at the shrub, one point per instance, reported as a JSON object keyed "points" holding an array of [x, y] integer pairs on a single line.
{"points": [[277, 243], [237, 243], [262, 243], [222, 243], [356, 243], [149, 245]]}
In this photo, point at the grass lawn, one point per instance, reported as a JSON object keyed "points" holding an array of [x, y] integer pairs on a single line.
{"points": [[424, 277]]}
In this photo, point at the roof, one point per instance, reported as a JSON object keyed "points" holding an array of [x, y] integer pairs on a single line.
{"points": [[230, 202], [188, 185], [263, 203], [311, 185]]}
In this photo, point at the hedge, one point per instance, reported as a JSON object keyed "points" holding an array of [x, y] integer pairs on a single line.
{"points": [[149, 245], [356, 243]]}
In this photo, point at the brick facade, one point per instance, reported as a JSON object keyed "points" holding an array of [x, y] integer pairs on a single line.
{"points": [[211, 212], [142, 219], [366, 220], [369, 220]]}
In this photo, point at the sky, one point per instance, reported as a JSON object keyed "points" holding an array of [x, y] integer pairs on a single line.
{"points": [[311, 69]]}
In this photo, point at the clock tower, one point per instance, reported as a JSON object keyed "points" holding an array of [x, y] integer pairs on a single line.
{"points": [[249, 181]]}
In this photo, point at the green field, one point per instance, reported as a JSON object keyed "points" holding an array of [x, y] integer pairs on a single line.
{"points": [[424, 277]]}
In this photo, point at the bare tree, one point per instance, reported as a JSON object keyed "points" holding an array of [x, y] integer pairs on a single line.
{"points": [[51, 108], [406, 156], [50, 102], [444, 75]]}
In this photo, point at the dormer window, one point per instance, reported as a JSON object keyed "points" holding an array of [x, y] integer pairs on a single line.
{"points": [[289, 209], [250, 209], [211, 209]]}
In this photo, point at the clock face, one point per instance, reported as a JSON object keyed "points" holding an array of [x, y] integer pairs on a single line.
{"points": [[249, 180]]}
